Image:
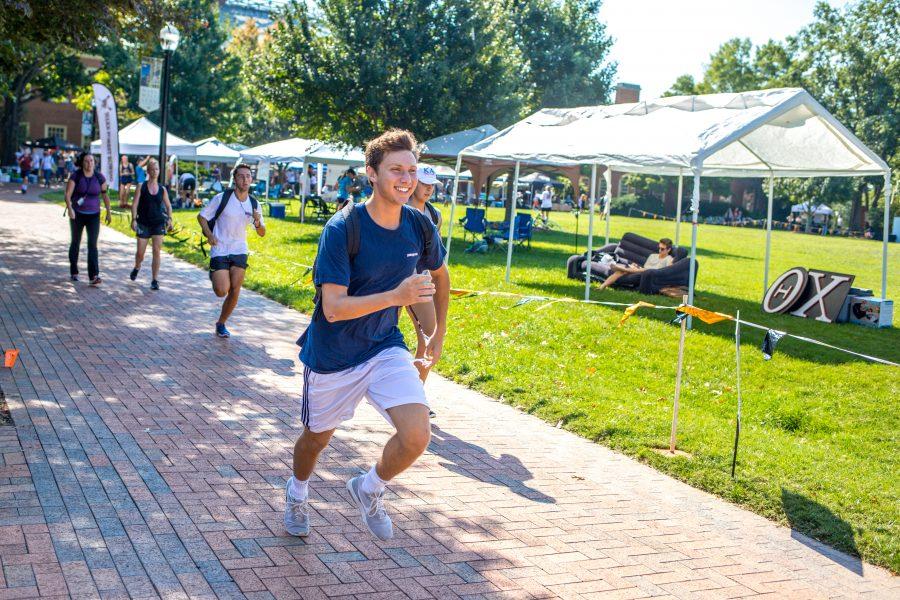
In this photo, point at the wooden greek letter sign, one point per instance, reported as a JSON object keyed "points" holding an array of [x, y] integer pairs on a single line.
{"points": [[810, 294]]}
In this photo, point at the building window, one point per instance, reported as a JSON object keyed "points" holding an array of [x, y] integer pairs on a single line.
{"points": [[51, 130]]}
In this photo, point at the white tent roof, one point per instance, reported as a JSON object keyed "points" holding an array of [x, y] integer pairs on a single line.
{"points": [[289, 150], [782, 132], [142, 137], [446, 147], [803, 207], [213, 150], [336, 155], [304, 150]]}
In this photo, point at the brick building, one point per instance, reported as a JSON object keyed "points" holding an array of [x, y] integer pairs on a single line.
{"points": [[41, 118]]}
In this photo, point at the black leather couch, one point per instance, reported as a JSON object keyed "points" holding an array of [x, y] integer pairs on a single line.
{"points": [[636, 248]]}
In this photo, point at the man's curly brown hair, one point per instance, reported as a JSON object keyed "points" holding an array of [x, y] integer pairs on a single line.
{"points": [[391, 140]]}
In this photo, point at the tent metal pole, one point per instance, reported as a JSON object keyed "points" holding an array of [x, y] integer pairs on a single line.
{"points": [[453, 207], [590, 239], [887, 220], [607, 176], [769, 231], [303, 192], [512, 221], [320, 171], [695, 213], [678, 208]]}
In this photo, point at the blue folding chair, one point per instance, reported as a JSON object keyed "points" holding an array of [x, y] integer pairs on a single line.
{"points": [[474, 223], [523, 228]]}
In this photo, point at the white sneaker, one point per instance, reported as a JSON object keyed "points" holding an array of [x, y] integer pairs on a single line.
{"points": [[371, 509], [296, 513]]}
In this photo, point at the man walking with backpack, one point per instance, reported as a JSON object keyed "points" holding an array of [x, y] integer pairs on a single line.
{"points": [[224, 223], [366, 268]]}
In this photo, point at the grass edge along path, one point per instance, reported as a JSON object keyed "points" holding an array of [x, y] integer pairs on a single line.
{"points": [[819, 438]]}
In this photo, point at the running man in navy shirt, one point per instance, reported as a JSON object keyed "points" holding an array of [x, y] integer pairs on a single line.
{"points": [[353, 347]]}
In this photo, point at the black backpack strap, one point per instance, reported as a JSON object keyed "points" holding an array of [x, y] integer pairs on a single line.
{"points": [[435, 214], [226, 196], [351, 218], [254, 203], [426, 227]]}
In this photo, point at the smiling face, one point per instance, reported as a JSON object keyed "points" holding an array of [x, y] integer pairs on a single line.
{"points": [[87, 163], [423, 191], [395, 179]]}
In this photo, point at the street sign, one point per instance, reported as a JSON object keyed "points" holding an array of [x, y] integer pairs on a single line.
{"points": [[151, 77], [87, 122]]}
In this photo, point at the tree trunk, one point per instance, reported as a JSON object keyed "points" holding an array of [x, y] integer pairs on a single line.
{"points": [[9, 130], [12, 112]]}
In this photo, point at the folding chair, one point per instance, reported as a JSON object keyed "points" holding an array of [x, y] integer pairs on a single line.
{"points": [[473, 223]]}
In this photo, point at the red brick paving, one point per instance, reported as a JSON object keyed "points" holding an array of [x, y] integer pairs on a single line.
{"points": [[148, 459]]}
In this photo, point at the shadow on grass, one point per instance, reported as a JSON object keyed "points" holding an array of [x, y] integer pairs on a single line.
{"points": [[819, 522], [476, 463]]}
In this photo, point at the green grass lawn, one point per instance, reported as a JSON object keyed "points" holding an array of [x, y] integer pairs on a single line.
{"points": [[819, 446]]}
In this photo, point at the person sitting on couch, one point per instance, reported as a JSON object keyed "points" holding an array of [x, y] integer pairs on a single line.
{"points": [[654, 261]]}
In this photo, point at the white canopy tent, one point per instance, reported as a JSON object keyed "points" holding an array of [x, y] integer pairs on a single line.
{"points": [[772, 133], [804, 207], [214, 151], [142, 137], [304, 151]]}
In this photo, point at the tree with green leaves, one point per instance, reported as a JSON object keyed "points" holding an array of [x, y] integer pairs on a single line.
{"points": [[563, 48], [39, 43], [347, 69]]}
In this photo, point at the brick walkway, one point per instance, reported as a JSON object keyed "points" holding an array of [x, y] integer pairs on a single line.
{"points": [[148, 459]]}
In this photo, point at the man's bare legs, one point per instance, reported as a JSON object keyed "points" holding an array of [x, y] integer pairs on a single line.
{"points": [[227, 284], [411, 438]]}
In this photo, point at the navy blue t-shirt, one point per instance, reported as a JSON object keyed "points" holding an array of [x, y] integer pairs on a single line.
{"points": [[386, 257]]}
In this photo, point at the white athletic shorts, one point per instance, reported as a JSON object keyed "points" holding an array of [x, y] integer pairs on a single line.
{"points": [[388, 379]]}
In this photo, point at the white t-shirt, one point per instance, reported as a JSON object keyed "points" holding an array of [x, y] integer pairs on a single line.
{"points": [[48, 162], [655, 262], [546, 199], [231, 228]]}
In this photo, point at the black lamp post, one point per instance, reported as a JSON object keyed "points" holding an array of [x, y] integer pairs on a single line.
{"points": [[168, 39]]}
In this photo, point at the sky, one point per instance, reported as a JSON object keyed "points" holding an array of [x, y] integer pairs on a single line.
{"points": [[658, 40]]}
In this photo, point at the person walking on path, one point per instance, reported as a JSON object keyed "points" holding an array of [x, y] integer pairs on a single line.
{"points": [[83, 192], [126, 179], [48, 165], [423, 314], [151, 217], [24, 170], [366, 267], [224, 223]]}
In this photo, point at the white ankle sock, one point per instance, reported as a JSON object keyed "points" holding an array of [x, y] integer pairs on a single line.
{"points": [[372, 483], [298, 490]]}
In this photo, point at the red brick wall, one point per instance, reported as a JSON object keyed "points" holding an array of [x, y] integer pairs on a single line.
{"points": [[39, 113]]}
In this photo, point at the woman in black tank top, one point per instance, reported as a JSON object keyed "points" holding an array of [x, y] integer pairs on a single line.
{"points": [[151, 217]]}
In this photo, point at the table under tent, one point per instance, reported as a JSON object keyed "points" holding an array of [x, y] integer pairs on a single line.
{"points": [[771, 133]]}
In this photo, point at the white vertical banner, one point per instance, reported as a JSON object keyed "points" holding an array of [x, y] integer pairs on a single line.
{"points": [[109, 134]]}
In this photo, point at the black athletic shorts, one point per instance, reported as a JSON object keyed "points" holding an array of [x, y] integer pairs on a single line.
{"points": [[219, 263], [189, 185], [148, 231], [126, 180]]}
